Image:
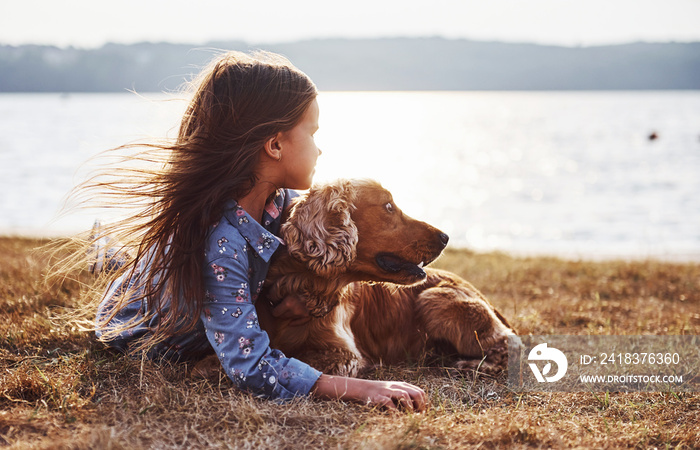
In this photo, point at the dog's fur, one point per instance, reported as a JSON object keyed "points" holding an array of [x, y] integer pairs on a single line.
{"points": [[354, 258]]}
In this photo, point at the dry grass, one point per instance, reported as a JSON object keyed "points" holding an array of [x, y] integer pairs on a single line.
{"points": [[60, 389]]}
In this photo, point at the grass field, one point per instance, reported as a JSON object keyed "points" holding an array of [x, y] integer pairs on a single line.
{"points": [[60, 389]]}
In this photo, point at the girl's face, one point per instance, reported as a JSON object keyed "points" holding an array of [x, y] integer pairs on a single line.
{"points": [[299, 151]]}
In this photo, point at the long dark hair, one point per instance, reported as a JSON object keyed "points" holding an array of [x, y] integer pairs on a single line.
{"points": [[177, 190]]}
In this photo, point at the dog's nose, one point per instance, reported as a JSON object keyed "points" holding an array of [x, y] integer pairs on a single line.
{"points": [[444, 239]]}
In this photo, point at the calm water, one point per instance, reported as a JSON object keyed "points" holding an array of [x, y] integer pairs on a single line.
{"points": [[563, 173]]}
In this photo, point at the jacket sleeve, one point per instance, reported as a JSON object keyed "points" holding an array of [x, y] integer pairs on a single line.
{"points": [[243, 348]]}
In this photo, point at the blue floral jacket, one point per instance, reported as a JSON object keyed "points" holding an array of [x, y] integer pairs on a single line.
{"points": [[237, 257]]}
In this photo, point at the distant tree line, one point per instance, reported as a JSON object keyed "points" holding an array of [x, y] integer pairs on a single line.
{"points": [[369, 64]]}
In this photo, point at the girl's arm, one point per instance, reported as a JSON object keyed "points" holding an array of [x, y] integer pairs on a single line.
{"points": [[232, 328], [389, 394]]}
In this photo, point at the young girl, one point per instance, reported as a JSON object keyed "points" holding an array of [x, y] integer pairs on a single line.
{"points": [[202, 241]]}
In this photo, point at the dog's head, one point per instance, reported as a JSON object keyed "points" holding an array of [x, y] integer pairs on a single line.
{"points": [[353, 226]]}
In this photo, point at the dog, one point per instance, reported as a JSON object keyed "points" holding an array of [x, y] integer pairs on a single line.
{"points": [[358, 263]]}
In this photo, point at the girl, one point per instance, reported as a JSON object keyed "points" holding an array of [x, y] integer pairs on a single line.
{"points": [[196, 253]]}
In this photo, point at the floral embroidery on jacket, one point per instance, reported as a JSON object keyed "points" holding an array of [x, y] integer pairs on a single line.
{"points": [[242, 218], [246, 345], [238, 376], [265, 242], [221, 243], [252, 321], [241, 295], [220, 272]]}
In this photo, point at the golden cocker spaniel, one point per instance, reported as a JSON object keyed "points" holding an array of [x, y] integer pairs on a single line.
{"points": [[357, 261]]}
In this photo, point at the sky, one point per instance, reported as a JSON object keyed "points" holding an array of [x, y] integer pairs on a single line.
{"points": [[91, 23]]}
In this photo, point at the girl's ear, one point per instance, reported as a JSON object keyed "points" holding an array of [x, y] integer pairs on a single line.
{"points": [[320, 231], [273, 148]]}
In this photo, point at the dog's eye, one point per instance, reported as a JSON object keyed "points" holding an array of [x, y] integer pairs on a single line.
{"points": [[389, 207]]}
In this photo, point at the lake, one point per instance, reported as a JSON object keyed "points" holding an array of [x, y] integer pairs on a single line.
{"points": [[571, 174]]}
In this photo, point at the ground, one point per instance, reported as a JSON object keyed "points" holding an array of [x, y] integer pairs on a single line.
{"points": [[61, 389]]}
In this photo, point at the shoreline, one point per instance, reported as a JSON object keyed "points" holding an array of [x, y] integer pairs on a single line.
{"points": [[569, 256], [687, 258]]}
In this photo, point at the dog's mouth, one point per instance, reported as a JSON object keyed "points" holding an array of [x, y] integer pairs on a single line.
{"points": [[392, 263]]}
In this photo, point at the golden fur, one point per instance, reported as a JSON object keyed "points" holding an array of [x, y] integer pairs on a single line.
{"points": [[355, 259]]}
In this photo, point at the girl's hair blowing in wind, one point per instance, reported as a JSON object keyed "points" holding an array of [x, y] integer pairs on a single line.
{"points": [[239, 102]]}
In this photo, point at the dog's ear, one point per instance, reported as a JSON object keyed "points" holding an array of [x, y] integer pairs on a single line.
{"points": [[320, 231]]}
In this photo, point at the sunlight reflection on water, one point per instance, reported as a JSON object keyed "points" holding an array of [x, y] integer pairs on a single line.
{"points": [[529, 172], [562, 173]]}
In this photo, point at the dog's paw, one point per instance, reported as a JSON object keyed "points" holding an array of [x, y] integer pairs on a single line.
{"points": [[494, 362], [479, 367], [335, 362], [345, 368]]}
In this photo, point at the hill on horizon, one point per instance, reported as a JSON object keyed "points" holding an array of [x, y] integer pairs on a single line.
{"points": [[364, 64]]}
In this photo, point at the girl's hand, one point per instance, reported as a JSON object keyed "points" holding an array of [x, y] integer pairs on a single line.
{"points": [[395, 395], [389, 394], [293, 309]]}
